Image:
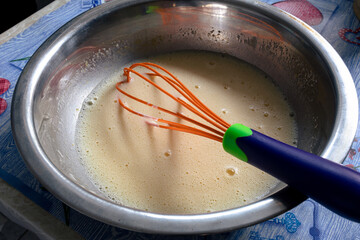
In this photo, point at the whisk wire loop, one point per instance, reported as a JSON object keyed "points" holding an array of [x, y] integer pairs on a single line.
{"points": [[182, 89], [194, 104]]}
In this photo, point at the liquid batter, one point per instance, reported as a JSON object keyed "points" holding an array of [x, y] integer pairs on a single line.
{"points": [[170, 172]]}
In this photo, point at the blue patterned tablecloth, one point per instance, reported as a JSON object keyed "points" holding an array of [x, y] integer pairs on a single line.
{"points": [[338, 24]]}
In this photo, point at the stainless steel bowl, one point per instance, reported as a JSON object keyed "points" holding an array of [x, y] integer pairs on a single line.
{"points": [[91, 47]]}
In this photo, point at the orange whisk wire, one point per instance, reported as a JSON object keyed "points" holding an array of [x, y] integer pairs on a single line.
{"points": [[215, 132]]}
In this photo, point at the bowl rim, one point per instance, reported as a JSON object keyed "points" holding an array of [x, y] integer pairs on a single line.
{"points": [[84, 201]]}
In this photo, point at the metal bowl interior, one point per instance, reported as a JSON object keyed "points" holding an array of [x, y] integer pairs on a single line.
{"points": [[98, 43]]}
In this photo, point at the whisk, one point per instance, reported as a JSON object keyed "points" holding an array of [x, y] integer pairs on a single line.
{"points": [[335, 186]]}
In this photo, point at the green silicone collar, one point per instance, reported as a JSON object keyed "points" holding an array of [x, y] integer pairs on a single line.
{"points": [[229, 141]]}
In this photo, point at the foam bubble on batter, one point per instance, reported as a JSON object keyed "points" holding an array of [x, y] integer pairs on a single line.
{"points": [[164, 171]]}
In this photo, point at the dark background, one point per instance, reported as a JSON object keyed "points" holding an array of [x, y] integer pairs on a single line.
{"points": [[14, 11]]}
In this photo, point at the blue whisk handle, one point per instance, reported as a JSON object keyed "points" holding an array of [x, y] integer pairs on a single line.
{"points": [[334, 186]]}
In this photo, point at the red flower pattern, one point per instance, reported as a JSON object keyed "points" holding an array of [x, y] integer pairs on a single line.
{"points": [[350, 36], [303, 10], [4, 86]]}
